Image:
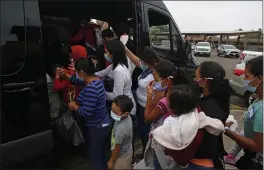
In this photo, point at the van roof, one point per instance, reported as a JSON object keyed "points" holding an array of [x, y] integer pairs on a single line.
{"points": [[159, 4]]}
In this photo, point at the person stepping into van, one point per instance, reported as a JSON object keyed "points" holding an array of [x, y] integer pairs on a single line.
{"points": [[122, 134], [90, 105], [61, 84], [107, 35]]}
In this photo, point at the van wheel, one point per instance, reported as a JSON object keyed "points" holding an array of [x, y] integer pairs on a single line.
{"points": [[208, 55], [218, 54]]}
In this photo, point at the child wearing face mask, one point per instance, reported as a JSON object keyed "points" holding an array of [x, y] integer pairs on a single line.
{"points": [[121, 142]]}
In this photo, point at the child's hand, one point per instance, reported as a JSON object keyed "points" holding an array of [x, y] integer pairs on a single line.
{"points": [[72, 106], [110, 165]]}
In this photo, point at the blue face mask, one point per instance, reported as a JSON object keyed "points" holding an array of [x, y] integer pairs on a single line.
{"points": [[115, 117], [158, 86], [249, 87], [143, 66], [107, 58]]}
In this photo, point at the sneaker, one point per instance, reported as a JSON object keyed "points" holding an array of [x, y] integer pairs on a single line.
{"points": [[230, 159]]}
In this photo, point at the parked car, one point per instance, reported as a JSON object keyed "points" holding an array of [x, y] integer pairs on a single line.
{"points": [[27, 137], [228, 51], [246, 55], [236, 81], [202, 48], [219, 46]]}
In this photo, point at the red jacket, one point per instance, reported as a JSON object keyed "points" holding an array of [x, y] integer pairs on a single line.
{"points": [[85, 33], [78, 52]]}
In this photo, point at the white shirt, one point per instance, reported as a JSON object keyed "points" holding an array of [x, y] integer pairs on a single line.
{"points": [[142, 89], [122, 82]]}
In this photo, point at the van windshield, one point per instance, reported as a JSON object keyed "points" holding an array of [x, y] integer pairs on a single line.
{"points": [[203, 44]]}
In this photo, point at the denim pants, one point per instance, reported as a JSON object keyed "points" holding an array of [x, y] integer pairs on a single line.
{"points": [[143, 127], [98, 147]]}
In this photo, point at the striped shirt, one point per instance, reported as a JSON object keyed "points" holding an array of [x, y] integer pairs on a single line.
{"points": [[92, 102]]}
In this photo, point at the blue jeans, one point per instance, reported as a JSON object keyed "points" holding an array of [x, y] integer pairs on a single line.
{"points": [[192, 166], [99, 142]]}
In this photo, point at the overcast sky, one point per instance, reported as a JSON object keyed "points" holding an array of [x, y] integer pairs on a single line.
{"points": [[216, 15]]}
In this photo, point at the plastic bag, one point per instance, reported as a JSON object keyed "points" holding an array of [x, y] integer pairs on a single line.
{"points": [[69, 129], [234, 126]]}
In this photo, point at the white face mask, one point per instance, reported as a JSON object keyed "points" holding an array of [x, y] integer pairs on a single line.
{"points": [[115, 117]]}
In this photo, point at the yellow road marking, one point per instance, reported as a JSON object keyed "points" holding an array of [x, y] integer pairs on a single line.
{"points": [[237, 107]]}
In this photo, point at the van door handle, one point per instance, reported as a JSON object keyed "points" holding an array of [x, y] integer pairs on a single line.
{"points": [[19, 87]]}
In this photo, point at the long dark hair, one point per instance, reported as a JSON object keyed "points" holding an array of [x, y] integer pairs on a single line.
{"points": [[219, 86], [117, 49]]}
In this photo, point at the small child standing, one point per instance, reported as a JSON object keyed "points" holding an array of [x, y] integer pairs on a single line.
{"points": [[121, 141]]}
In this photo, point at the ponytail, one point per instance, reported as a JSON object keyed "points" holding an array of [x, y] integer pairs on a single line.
{"points": [[221, 91]]}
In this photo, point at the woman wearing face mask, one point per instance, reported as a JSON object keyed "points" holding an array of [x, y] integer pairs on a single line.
{"points": [[90, 105], [165, 76], [252, 141], [118, 71], [148, 58], [215, 101]]}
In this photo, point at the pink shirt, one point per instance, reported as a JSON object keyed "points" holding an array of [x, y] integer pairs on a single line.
{"points": [[163, 105]]}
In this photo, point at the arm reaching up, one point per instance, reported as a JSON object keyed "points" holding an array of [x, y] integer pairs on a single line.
{"points": [[132, 57]]}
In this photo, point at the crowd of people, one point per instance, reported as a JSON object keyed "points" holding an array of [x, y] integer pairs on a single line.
{"points": [[181, 122]]}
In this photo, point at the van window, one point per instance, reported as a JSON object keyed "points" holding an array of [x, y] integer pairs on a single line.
{"points": [[159, 30], [12, 36], [176, 39]]}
